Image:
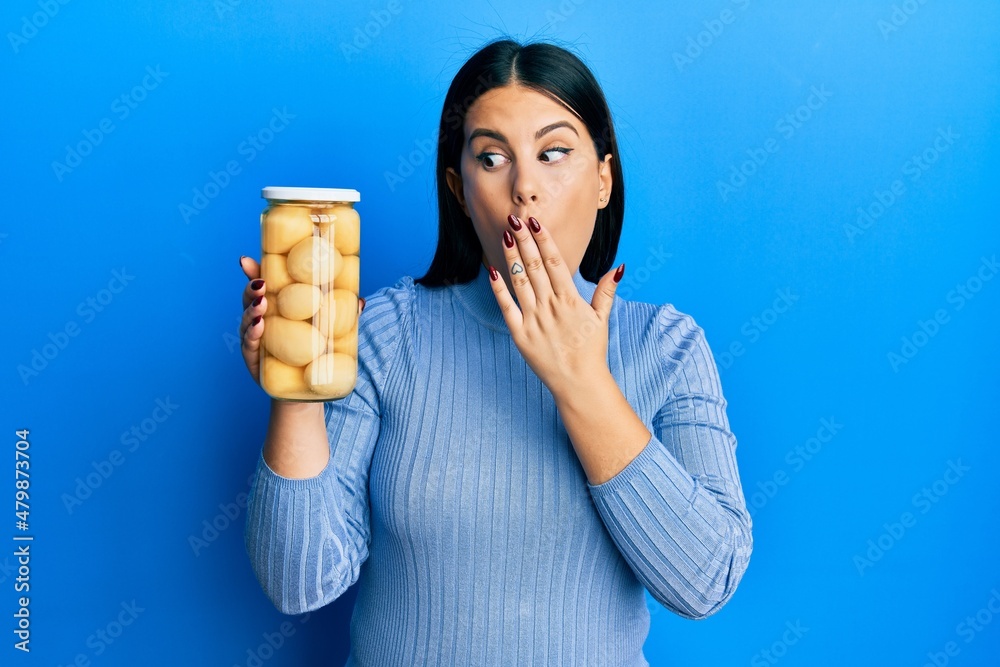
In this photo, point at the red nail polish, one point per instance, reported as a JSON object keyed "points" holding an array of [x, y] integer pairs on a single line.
{"points": [[256, 321], [619, 273], [533, 224], [256, 285], [256, 302], [494, 275], [508, 239], [514, 222]]}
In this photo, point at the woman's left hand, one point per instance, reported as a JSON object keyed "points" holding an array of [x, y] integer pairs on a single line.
{"points": [[562, 338]]}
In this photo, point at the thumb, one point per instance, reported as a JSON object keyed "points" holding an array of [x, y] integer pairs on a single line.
{"points": [[251, 269], [604, 295]]}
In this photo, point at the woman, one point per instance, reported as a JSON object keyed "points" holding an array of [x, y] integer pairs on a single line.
{"points": [[524, 452]]}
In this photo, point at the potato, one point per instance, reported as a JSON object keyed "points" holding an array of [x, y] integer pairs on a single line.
{"points": [[346, 344], [349, 277], [338, 313], [274, 271], [298, 301], [279, 379], [284, 226], [346, 229], [270, 306], [294, 342], [314, 261], [332, 374]]}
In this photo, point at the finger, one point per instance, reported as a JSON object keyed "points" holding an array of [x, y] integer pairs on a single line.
{"points": [[532, 272], [556, 270], [361, 305], [257, 308], [252, 334], [250, 267], [250, 345], [511, 313], [604, 294], [254, 289]]}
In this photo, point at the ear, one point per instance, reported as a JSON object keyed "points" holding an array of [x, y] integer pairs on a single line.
{"points": [[455, 185], [604, 174]]}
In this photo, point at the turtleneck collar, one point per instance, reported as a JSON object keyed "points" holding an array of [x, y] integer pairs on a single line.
{"points": [[477, 297]]}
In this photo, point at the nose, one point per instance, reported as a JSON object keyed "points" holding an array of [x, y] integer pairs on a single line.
{"points": [[525, 186]]}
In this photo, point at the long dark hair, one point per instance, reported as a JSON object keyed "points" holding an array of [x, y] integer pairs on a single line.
{"points": [[553, 71]]}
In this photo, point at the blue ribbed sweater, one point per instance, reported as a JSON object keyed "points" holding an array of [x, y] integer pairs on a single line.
{"points": [[455, 499]]}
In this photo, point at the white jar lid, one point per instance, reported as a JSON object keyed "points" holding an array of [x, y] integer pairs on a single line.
{"points": [[311, 194]]}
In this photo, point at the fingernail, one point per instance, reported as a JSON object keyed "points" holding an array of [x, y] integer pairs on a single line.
{"points": [[256, 302], [256, 285], [619, 273], [508, 238], [535, 227], [242, 257], [493, 273], [256, 321], [514, 222]]}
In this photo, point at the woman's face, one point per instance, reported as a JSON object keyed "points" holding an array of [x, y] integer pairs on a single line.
{"points": [[530, 156]]}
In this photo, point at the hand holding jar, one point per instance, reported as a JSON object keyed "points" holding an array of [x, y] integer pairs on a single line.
{"points": [[301, 308]]}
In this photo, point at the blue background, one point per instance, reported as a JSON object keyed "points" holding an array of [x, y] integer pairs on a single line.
{"points": [[909, 93]]}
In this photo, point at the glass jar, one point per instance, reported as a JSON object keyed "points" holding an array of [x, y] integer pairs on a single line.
{"points": [[310, 242]]}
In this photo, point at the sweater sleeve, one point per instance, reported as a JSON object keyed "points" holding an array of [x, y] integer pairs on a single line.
{"points": [[307, 538], [676, 511]]}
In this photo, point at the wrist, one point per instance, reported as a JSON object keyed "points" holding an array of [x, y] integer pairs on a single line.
{"points": [[296, 444], [294, 408], [579, 393]]}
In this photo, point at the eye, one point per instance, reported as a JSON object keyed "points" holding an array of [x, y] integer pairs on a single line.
{"points": [[558, 149], [483, 157]]}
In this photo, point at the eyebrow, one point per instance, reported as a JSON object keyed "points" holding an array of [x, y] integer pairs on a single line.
{"points": [[482, 132]]}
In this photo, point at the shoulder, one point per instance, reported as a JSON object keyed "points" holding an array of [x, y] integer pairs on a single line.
{"points": [[672, 335], [396, 298], [384, 325], [678, 330], [663, 323]]}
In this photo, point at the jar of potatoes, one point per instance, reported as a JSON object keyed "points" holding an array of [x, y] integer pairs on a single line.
{"points": [[310, 242]]}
